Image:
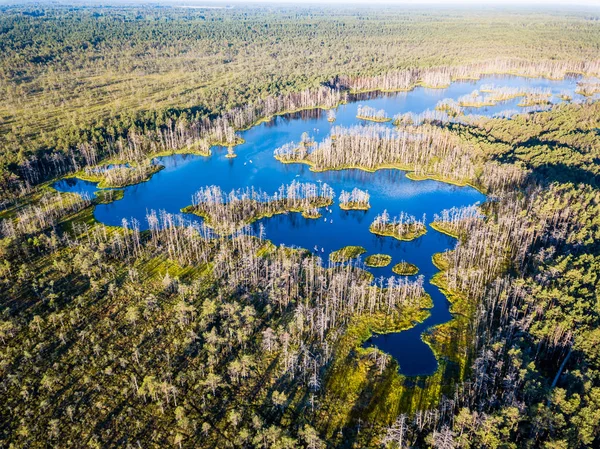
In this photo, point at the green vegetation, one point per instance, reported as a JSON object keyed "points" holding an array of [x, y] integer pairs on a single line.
{"points": [[346, 253], [313, 213], [427, 151], [404, 227], [118, 177], [179, 282], [108, 196], [454, 222], [355, 200], [149, 279], [106, 77], [117, 337], [534, 100], [378, 260], [405, 269], [494, 95], [228, 213]]}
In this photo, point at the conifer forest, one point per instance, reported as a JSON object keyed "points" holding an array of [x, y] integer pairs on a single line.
{"points": [[314, 226]]}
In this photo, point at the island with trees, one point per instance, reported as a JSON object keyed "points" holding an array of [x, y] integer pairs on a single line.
{"points": [[191, 325]]}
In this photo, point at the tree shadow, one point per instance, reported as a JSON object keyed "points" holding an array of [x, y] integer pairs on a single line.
{"points": [[563, 173]]}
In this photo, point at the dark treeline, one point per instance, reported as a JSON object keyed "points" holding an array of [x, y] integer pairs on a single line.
{"points": [[527, 270], [533, 333]]}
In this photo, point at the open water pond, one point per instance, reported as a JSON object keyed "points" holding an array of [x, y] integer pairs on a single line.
{"points": [[171, 189]]}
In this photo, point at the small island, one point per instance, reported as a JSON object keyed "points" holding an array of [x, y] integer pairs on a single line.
{"points": [[404, 227], [230, 153], [378, 260], [372, 114], [588, 87], [312, 213], [346, 253], [229, 212], [355, 200], [405, 269], [109, 195]]}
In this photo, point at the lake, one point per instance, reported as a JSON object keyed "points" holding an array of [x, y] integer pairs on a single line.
{"points": [[171, 189]]}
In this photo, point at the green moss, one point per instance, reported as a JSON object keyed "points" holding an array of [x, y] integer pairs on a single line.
{"points": [[354, 206], [355, 371], [444, 228], [346, 253], [104, 184], [452, 339], [405, 269], [157, 268], [267, 249], [440, 261], [391, 231], [378, 260], [109, 196]]}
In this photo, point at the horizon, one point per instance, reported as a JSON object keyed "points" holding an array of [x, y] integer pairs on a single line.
{"points": [[401, 3]]}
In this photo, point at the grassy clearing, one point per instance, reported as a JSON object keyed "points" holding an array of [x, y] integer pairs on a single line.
{"points": [[356, 370]]}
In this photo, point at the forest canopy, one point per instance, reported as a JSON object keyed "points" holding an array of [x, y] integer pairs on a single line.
{"points": [[209, 335], [70, 75]]}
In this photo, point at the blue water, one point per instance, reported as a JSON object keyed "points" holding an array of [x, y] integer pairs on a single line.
{"points": [[171, 189]]}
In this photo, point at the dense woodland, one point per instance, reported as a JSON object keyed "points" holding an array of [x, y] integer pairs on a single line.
{"points": [[127, 81], [181, 336]]}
